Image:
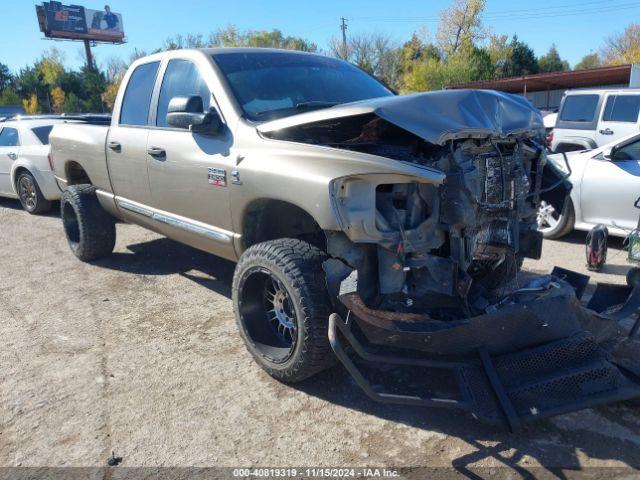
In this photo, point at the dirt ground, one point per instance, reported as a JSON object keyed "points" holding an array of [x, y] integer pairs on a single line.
{"points": [[138, 354]]}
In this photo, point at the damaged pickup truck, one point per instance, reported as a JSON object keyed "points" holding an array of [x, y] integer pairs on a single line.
{"points": [[389, 229]]}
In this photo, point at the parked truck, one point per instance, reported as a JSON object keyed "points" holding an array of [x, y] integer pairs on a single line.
{"points": [[372, 225]]}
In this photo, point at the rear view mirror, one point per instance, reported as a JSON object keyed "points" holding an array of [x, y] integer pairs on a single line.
{"points": [[188, 113]]}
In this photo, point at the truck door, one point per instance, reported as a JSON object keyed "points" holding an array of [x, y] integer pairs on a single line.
{"points": [[127, 138], [189, 172], [619, 117], [611, 186], [9, 143]]}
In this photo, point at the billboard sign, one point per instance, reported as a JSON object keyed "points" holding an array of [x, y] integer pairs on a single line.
{"points": [[76, 22]]}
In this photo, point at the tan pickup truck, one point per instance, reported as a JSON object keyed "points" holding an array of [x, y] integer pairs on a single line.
{"points": [[409, 216]]}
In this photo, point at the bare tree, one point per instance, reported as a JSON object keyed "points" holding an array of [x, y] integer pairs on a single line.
{"points": [[180, 41], [375, 53], [624, 47]]}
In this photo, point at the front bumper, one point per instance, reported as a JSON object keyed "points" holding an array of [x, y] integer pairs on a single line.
{"points": [[532, 359]]}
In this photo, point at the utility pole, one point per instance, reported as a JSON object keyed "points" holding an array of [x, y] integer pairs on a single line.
{"points": [[343, 27]]}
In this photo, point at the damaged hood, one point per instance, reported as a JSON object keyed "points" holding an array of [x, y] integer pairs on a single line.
{"points": [[436, 116]]}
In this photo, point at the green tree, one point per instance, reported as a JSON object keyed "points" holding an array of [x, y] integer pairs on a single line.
{"points": [[591, 60], [29, 85], [94, 84], [414, 51], [551, 61], [6, 79], [50, 67], [522, 61], [72, 104], [8, 96], [500, 52], [230, 36]]}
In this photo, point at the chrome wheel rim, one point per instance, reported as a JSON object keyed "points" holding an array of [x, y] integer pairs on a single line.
{"points": [[27, 192], [280, 310], [548, 218]]}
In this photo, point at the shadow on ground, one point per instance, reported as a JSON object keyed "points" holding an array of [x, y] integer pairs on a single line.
{"points": [[579, 238], [556, 446], [15, 204], [167, 257]]}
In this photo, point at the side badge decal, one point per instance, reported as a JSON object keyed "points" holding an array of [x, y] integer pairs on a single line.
{"points": [[217, 176]]}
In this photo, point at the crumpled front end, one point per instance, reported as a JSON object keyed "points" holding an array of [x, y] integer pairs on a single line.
{"points": [[426, 265]]}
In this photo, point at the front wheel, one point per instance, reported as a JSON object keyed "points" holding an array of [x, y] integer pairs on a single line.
{"points": [[554, 224], [282, 308]]}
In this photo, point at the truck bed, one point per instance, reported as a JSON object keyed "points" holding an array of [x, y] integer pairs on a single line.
{"points": [[83, 144]]}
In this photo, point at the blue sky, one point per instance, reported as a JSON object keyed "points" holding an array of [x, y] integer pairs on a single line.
{"points": [[575, 27]]}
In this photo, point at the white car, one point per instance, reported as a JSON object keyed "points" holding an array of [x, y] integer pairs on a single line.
{"points": [[591, 118], [606, 184], [25, 169]]}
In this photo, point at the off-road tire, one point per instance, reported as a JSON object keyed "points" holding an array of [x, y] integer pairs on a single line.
{"points": [[42, 205], [298, 266], [565, 224], [90, 230]]}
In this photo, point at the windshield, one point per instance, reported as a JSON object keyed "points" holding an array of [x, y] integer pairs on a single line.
{"points": [[272, 85]]}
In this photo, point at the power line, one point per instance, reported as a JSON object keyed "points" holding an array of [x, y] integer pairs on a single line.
{"points": [[567, 10]]}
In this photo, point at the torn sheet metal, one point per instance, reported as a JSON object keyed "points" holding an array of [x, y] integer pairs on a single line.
{"points": [[436, 116]]}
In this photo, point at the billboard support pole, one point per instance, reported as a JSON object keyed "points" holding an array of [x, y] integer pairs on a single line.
{"points": [[87, 50]]}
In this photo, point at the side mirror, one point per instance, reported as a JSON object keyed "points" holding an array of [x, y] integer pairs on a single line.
{"points": [[188, 113], [609, 155]]}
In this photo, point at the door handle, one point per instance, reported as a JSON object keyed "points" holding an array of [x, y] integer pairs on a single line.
{"points": [[115, 146], [12, 155], [156, 152], [606, 131]]}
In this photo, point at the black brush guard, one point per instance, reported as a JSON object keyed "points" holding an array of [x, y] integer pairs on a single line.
{"points": [[524, 362]]}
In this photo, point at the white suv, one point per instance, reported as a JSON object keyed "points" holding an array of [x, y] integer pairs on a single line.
{"points": [[592, 118], [25, 169]]}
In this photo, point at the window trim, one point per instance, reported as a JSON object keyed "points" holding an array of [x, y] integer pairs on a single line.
{"points": [[124, 96]]}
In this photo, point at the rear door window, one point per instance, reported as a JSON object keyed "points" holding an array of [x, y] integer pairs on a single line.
{"points": [[137, 97], [43, 133], [579, 108], [622, 108], [9, 137]]}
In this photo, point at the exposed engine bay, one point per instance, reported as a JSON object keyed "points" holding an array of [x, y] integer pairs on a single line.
{"points": [[448, 249]]}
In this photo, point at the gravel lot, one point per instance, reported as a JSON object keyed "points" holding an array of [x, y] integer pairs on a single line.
{"points": [[138, 354]]}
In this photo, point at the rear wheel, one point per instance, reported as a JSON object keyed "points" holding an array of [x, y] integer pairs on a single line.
{"points": [[554, 224], [90, 230], [282, 308], [30, 194]]}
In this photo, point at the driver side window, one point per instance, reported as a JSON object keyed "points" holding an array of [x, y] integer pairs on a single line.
{"points": [[630, 151], [181, 78]]}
